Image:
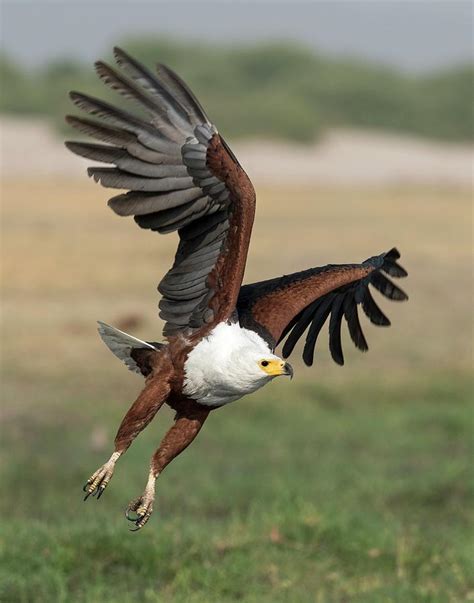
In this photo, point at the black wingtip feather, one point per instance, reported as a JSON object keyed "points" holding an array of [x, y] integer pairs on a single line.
{"points": [[355, 330], [322, 312], [387, 288], [372, 311], [393, 254], [335, 345], [343, 302]]}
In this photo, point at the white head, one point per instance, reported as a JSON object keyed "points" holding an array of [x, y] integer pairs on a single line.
{"points": [[255, 366], [230, 363]]}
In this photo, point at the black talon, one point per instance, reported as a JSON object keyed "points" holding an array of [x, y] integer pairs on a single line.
{"points": [[140, 519], [84, 487], [132, 508], [87, 495], [127, 512], [101, 491], [137, 523]]}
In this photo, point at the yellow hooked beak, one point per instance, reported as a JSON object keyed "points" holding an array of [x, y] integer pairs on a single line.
{"points": [[276, 367]]}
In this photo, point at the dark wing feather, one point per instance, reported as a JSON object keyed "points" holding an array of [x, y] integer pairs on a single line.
{"points": [[317, 322], [335, 345], [353, 323], [180, 176], [290, 305]]}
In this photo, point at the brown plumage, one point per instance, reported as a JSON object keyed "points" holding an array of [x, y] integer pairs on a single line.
{"points": [[180, 175]]}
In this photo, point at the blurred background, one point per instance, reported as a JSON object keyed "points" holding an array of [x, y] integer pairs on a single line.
{"points": [[354, 121]]}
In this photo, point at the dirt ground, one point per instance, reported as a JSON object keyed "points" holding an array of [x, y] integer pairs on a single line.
{"points": [[342, 158]]}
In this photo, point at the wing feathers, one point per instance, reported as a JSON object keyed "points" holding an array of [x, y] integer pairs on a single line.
{"points": [[116, 178], [162, 158], [387, 288], [353, 324], [299, 327], [322, 312], [338, 290], [335, 345], [122, 159], [180, 91], [144, 204], [119, 118], [372, 311]]}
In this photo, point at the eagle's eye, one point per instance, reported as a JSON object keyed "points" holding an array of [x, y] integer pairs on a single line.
{"points": [[264, 363]]}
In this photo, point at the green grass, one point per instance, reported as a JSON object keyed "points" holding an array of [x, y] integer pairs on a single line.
{"points": [[359, 493], [271, 90]]}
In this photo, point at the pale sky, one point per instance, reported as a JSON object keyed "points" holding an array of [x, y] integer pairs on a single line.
{"points": [[410, 34]]}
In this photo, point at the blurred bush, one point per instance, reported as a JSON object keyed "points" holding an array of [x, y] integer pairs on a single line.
{"points": [[273, 90]]}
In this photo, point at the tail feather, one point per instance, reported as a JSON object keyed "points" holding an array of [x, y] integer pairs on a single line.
{"points": [[133, 352]]}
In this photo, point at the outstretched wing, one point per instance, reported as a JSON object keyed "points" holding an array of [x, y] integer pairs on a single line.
{"points": [[305, 300], [180, 176]]}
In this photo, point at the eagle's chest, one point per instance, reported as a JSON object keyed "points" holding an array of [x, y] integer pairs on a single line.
{"points": [[223, 367]]}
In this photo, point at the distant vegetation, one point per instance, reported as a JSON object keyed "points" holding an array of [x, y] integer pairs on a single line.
{"points": [[273, 90]]}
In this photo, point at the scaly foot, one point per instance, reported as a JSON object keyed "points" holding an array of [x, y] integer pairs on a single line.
{"points": [[142, 507], [98, 481]]}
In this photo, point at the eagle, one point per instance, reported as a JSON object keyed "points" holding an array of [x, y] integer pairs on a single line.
{"points": [[220, 336]]}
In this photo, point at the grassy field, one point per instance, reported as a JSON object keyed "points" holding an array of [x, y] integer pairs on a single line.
{"points": [[346, 485]]}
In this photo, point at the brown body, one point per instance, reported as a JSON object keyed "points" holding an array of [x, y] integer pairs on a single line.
{"points": [[163, 384]]}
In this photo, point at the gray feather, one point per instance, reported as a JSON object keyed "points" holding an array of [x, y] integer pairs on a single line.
{"points": [[195, 146], [184, 293], [171, 219], [130, 90], [122, 159], [154, 86], [193, 262], [121, 344], [116, 178], [105, 133], [138, 204], [199, 155], [214, 224], [180, 91], [200, 164], [182, 222], [204, 133], [197, 173], [180, 281], [149, 136], [184, 306]]}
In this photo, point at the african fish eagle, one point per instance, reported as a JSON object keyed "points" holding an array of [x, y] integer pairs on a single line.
{"points": [[220, 336]]}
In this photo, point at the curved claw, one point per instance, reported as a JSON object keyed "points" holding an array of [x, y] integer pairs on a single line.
{"points": [[132, 507], [99, 481], [134, 519], [141, 518], [140, 522], [92, 492]]}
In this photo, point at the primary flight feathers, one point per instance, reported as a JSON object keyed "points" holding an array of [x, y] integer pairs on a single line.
{"points": [[178, 175]]}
